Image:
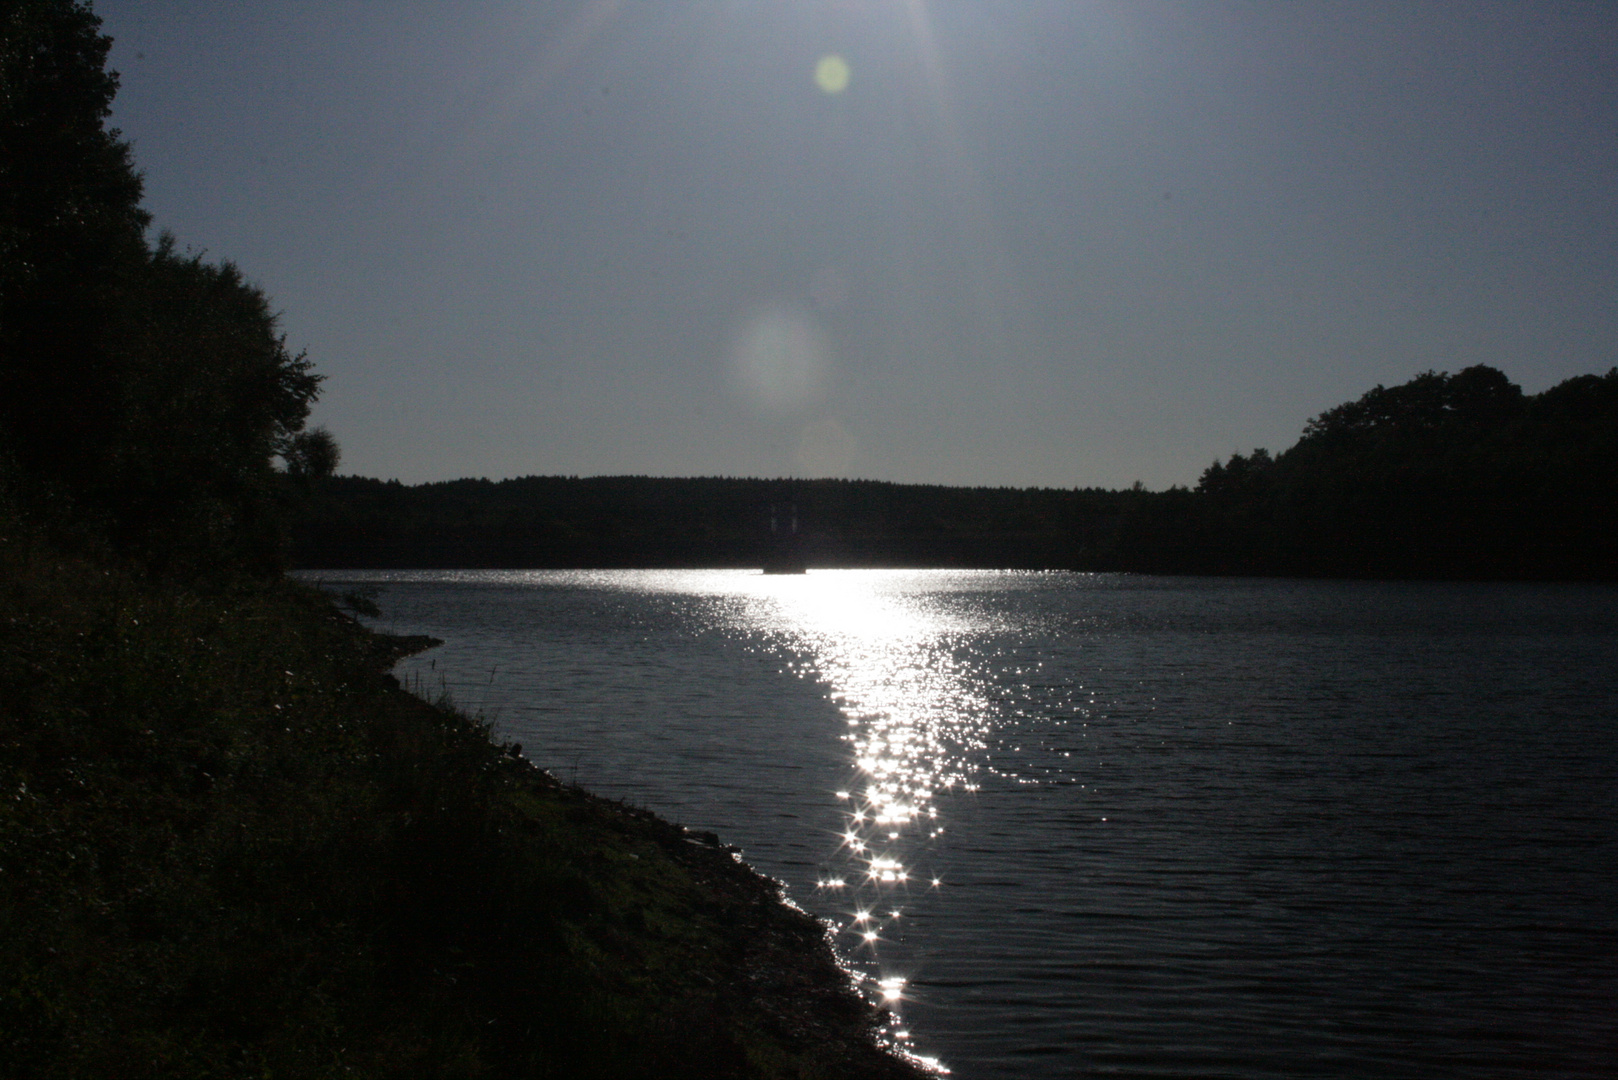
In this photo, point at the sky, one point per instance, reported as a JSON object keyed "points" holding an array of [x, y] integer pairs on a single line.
{"points": [[1057, 244]]}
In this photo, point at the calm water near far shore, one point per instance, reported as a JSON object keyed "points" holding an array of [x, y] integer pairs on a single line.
{"points": [[1094, 825]]}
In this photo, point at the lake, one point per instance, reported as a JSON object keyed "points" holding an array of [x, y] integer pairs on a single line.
{"points": [[1108, 825]]}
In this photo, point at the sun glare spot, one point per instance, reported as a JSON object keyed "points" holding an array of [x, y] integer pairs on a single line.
{"points": [[831, 74]]}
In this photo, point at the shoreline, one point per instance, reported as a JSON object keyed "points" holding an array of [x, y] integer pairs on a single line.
{"points": [[766, 951], [231, 843]]}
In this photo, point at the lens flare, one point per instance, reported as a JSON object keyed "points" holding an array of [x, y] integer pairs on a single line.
{"points": [[831, 74], [781, 358]]}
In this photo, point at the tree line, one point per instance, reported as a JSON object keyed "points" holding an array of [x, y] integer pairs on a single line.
{"points": [[151, 404], [1446, 476], [641, 521]]}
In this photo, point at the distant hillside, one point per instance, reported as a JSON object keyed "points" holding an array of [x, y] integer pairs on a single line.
{"points": [[1447, 476], [637, 521]]}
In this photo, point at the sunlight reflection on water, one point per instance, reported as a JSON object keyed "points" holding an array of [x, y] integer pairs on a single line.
{"points": [[894, 652], [918, 719], [915, 720], [1074, 824]]}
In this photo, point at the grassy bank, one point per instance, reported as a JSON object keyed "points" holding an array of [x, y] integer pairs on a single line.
{"points": [[230, 845]]}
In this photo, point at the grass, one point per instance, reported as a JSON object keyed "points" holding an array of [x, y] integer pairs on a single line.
{"points": [[232, 846]]}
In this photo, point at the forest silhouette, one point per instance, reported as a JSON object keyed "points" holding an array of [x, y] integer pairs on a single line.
{"points": [[1447, 476]]}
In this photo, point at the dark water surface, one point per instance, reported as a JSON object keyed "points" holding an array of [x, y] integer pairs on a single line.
{"points": [[1114, 826]]}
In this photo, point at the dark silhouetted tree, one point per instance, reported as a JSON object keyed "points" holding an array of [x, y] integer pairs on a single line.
{"points": [[1444, 476], [311, 455], [147, 387], [71, 234]]}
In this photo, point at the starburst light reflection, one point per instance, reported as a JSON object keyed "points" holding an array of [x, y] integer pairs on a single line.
{"points": [[891, 656]]}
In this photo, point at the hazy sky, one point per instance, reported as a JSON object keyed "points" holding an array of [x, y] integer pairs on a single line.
{"points": [[1059, 244]]}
